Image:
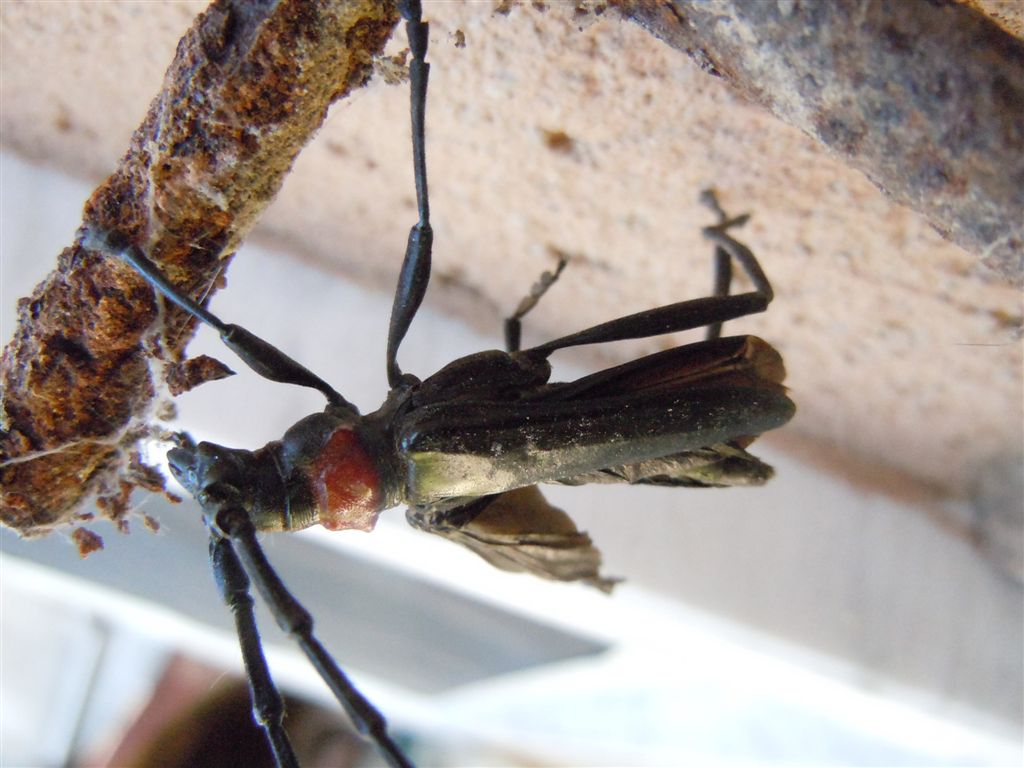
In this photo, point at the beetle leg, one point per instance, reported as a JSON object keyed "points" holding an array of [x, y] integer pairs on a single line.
{"points": [[710, 311], [728, 248], [513, 324], [681, 316], [267, 705], [235, 525], [260, 355], [415, 272], [723, 263]]}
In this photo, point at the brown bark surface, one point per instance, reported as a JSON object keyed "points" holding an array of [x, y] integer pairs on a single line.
{"points": [[249, 85]]}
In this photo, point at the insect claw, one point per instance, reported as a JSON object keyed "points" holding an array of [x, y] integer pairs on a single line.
{"points": [[726, 224], [709, 198]]}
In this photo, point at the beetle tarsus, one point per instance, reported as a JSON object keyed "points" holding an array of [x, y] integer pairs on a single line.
{"points": [[514, 323]]}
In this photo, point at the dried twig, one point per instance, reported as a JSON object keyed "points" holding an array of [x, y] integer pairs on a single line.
{"points": [[249, 85]]}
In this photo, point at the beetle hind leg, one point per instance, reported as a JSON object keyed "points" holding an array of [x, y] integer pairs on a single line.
{"points": [[728, 248], [513, 323], [709, 311]]}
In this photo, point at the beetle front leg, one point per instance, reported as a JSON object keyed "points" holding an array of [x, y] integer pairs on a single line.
{"points": [[233, 523], [267, 704]]}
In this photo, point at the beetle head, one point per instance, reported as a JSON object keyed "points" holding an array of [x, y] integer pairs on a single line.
{"points": [[211, 473], [251, 480]]}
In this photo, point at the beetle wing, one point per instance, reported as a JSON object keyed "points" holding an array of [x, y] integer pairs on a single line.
{"points": [[518, 531], [663, 405]]}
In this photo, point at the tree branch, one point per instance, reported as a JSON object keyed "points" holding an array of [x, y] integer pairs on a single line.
{"points": [[250, 83]]}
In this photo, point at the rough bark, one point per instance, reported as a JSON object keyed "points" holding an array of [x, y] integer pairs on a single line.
{"points": [[249, 85]]}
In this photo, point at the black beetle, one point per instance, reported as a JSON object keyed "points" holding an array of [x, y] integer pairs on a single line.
{"points": [[465, 447]]}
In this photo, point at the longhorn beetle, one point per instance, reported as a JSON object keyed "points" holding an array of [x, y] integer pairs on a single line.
{"points": [[464, 448]]}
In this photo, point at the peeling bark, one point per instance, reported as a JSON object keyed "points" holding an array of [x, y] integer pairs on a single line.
{"points": [[249, 85]]}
